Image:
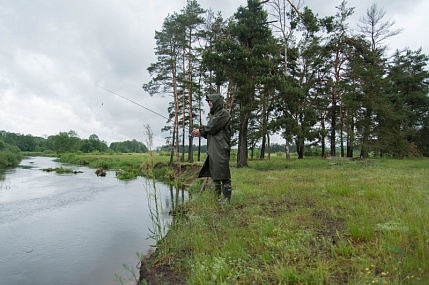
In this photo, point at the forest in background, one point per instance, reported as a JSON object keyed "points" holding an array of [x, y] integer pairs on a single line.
{"points": [[284, 70], [69, 142]]}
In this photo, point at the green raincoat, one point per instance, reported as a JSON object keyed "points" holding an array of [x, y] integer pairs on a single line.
{"points": [[218, 135]]}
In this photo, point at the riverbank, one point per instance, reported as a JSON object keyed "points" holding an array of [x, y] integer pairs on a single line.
{"points": [[303, 222]]}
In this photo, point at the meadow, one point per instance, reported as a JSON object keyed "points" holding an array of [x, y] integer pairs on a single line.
{"points": [[306, 221]]}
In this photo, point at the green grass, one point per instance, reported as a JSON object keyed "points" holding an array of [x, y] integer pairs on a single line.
{"points": [[309, 221]]}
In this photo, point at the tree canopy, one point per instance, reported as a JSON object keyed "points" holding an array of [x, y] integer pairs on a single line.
{"points": [[284, 70]]}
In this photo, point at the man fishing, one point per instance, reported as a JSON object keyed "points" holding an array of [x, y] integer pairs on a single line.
{"points": [[218, 135]]}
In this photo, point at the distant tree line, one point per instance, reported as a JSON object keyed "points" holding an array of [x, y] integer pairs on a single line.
{"points": [[128, 147], [65, 142], [284, 70], [68, 142]]}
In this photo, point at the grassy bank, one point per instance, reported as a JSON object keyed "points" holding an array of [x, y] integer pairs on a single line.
{"points": [[308, 221]]}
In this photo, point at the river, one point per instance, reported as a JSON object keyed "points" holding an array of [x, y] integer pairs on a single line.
{"points": [[73, 229]]}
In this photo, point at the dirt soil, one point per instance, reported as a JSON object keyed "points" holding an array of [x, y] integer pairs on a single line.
{"points": [[189, 172], [152, 273]]}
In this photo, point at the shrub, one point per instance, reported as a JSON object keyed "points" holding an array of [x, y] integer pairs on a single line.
{"points": [[10, 156]]}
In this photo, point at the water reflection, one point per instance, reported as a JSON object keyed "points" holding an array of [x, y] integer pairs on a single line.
{"points": [[163, 213]]}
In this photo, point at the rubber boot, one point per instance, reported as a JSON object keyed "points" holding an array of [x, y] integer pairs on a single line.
{"points": [[226, 191], [218, 188]]}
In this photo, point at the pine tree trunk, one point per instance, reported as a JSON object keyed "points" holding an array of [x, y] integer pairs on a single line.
{"points": [[242, 140]]}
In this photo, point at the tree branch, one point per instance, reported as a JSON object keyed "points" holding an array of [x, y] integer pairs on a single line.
{"points": [[294, 7]]}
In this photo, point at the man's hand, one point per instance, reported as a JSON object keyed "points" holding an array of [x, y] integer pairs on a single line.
{"points": [[196, 133]]}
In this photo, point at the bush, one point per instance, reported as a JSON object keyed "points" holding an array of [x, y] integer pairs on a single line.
{"points": [[10, 157], [164, 153], [128, 174], [49, 153]]}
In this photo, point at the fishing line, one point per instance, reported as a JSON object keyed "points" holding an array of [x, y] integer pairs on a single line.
{"points": [[146, 108], [140, 105], [129, 100]]}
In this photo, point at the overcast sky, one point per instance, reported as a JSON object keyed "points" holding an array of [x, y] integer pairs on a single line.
{"points": [[54, 53]]}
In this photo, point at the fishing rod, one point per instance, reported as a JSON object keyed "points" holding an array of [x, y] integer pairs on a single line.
{"points": [[129, 100], [156, 113], [140, 105]]}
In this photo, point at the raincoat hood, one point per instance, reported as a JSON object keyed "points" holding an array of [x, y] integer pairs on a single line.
{"points": [[217, 101]]}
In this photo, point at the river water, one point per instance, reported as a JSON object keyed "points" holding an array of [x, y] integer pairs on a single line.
{"points": [[74, 229]]}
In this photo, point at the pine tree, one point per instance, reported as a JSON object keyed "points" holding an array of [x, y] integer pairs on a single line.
{"points": [[243, 58], [409, 88], [164, 72]]}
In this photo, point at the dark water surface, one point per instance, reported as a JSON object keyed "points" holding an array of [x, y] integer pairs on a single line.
{"points": [[72, 228]]}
